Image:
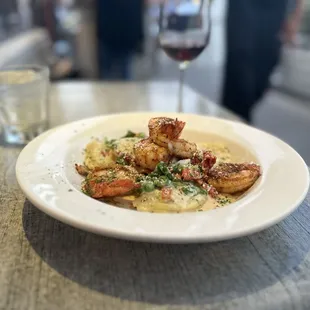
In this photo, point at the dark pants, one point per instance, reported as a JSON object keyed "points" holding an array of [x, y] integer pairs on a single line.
{"points": [[114, 64], [253, 51]]}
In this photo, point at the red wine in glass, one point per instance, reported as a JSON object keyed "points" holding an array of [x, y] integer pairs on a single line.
{"points": [[184, 32], [183, 51]]}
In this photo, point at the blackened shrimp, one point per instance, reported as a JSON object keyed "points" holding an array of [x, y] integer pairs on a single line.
{"points": [[233, 178]]}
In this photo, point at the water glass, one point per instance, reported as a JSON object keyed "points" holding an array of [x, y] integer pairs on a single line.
{"points": [[23, 102]]}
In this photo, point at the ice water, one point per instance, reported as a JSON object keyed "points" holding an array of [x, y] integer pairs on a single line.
{"points": [[23, 104]]}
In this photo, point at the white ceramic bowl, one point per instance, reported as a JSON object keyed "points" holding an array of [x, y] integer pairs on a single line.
{"points": [[45, 172]]}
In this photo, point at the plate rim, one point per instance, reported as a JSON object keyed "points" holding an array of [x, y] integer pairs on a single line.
{"points": [[146, 237]]}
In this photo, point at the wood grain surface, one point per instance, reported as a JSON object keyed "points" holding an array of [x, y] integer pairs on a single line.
{"points": [[49, 265]]}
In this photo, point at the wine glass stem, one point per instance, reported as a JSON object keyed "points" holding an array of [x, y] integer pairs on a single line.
{"points": [[182, 68]]}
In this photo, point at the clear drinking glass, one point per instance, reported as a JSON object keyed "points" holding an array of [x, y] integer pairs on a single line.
{"points": [[23, 102], [184, 32]]}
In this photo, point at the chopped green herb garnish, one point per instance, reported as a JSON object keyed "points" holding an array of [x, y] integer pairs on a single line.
{"points": [[86, 189], [222, 201], [139, 178], [120, 161], [177, 168], [153, 175], [190, 190], [131, 134], [162, 181], [162, 169], [110, 144], [203, 191], [140, 135], [123, 159]]}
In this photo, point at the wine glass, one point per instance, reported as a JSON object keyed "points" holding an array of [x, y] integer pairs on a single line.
{"points": [[184, 32]]}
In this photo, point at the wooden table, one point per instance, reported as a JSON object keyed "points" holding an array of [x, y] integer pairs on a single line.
{"points": [[48, 265]]}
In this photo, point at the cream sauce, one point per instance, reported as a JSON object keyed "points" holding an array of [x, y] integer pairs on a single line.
{"points": [[225, 152], [220, 202], [211, 203]]}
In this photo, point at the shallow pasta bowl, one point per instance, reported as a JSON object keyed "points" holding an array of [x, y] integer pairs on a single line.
{"points": [[45, 172]]}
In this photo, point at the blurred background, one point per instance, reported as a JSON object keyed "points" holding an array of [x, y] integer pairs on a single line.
{"points": [[63, 34]]}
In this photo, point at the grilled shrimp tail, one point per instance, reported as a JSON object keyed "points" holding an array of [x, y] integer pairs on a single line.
{"points": [[113, 182], [164, 129]]}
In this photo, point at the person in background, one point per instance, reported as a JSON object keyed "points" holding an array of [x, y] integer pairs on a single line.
{"points": [[120, 34], [256, 30]]}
